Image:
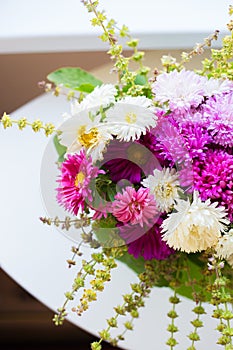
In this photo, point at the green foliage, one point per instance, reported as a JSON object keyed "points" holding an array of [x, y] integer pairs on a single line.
{"points": [[183, 273], [75, 79], [220, 64], [104, 185], [137, 265], [61, 150], [107, 233]]}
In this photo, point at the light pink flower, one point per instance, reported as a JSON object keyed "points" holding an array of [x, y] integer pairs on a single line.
{"points": [[182, 90], [135, 207]]}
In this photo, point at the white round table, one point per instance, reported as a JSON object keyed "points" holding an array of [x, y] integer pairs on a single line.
{"points": [[35, 255]]}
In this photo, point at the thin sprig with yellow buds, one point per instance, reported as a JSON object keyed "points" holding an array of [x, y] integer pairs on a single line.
{"points": [[37, 125], [67, 222], [222, 299], [170, 63], [220, 65], [99, 268], [130, 306], [111, 34], [58, 90]]}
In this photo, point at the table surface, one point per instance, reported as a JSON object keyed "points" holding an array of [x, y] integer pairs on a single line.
{"points": [[59, 25]]}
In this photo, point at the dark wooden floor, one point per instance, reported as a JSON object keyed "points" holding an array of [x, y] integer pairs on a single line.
{"points": [[27, 324]]}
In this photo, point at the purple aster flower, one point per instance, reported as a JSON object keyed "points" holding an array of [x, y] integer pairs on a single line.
{"points": [[145, 242], [218, 110], [196, 139], [170, 142], [213, 178], [74, 190], [151, 142], [128, 160]]}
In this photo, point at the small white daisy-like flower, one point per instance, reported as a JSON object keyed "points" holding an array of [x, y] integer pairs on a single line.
{"points": [[102, 95], [224, 246], [131, 117], [194, 227], [81, 131], [164, 185]]}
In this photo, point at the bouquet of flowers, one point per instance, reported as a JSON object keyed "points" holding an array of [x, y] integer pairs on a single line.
{"points": [[145, 171]]}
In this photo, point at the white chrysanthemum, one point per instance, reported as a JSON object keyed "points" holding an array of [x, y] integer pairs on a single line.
{"points": [[82, 132], [131, 117], [217, 86], [164, 185], [224, 247], [182, 89], [102, 96], [194, 227]]}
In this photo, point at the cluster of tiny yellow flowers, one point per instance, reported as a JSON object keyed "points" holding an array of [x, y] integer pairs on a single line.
{"points": [[131, 304], [126, 77], [22, 123], [101, 275], [99, 267], [222, 297], [220, 63], [57, 90], [170, 63]]}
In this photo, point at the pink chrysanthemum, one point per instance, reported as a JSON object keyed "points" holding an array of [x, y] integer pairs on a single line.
{"points": [[146, 243], [134, 207], [74, 190], [213, 178]]}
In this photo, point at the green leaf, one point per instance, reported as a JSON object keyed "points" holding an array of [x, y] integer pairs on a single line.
{"points": [[140, 80], [196, 266], [61, 150], [136, 265], [106, 232], [111, 192], [75, 79]]}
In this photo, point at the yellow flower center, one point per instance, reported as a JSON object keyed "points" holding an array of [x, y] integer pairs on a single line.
{"points": [[130, 118], [88, 139], [194, 231], [137, 154], [163, 190], [79, 179]]}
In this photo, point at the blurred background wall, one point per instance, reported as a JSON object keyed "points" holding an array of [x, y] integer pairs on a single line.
{"points": [[20, 73]]}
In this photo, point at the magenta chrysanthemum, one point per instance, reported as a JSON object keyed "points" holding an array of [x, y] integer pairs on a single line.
{"points": [[74, 189], [213, 178], [196, 139], [134, 207], [146, 243]]}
